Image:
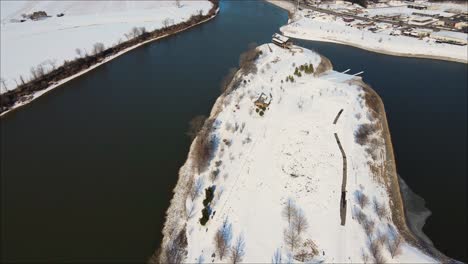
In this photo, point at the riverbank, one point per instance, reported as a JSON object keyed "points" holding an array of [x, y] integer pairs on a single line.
{"points": [[17, 98], [294, 132], [392, 182], [302, 27]]}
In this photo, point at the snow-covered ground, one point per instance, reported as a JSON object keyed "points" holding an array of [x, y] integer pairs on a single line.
{"points": [[52, 40], [289, 153], [323, 27]]}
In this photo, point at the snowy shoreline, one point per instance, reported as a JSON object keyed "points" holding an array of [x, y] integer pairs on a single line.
{"points": [[183, 213], [381, 51], [301, 32], [38, 94]]}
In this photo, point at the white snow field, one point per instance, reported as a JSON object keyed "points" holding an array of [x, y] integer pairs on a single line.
{"points": [[328, 28], [52, 40], [288, 153]]}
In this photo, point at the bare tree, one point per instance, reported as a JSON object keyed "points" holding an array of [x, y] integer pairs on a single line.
{"points": [[300, 223], [238, 250], [394, 242], [382, 238], [40, 70], [289, 210], [360, 216], [178, 4], [195, 125], [196, 188], [291, 238], [277, 257], [52, 64], [167, 22], [368, 226], [379, 209], [78, 52], [361, 198], [223, 239], [175, 251], [34, 73], [22, 79], [376, 251], [98, 48], [247, 59], [364, 256], [3, 82]]}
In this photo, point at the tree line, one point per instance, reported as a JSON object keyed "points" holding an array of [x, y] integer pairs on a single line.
{"points": [[43, 77]]}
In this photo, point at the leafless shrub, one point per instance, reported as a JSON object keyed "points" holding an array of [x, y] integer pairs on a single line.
{"points": [[277, 257], [379, 209], [376, 251], [223, 239], [178, 4], [248, 58], [360, 216], [373, 103], [363, 133], [196, 188], [98, 48], [307, 251], [289, 210], [38, 71], [361, 198], [3, 82], [394, 242], [300, 223], [238, 250], [368, 226], [78, 52], [247, 140], [291, 238], [204, 146], [364, 256], [228, 126], [226, 81], [214, 175], [175, 251], [382, 238], [195, 125], [136, 32], [167, 22], [242, 127], [324, 66]]}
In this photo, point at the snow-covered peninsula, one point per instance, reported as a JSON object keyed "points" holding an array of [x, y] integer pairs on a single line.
{"points": [[394, 30], [294, 164], [47, 33]]}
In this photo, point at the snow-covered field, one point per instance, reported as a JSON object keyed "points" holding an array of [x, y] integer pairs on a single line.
{"points": [[288, 154], [52, 40], [321, 27]]}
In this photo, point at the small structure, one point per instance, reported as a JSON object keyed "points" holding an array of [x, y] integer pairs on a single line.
{"points": [[449, 37], [280, 40], [418, 7], [348, 19], [261, 102], [421, 21]]}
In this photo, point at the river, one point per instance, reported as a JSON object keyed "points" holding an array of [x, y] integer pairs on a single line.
{"points": [[87, 171]]}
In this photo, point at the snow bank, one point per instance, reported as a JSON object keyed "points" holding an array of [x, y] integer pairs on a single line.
{"points": [[289, 152], [320, 27], [53, 40]]}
